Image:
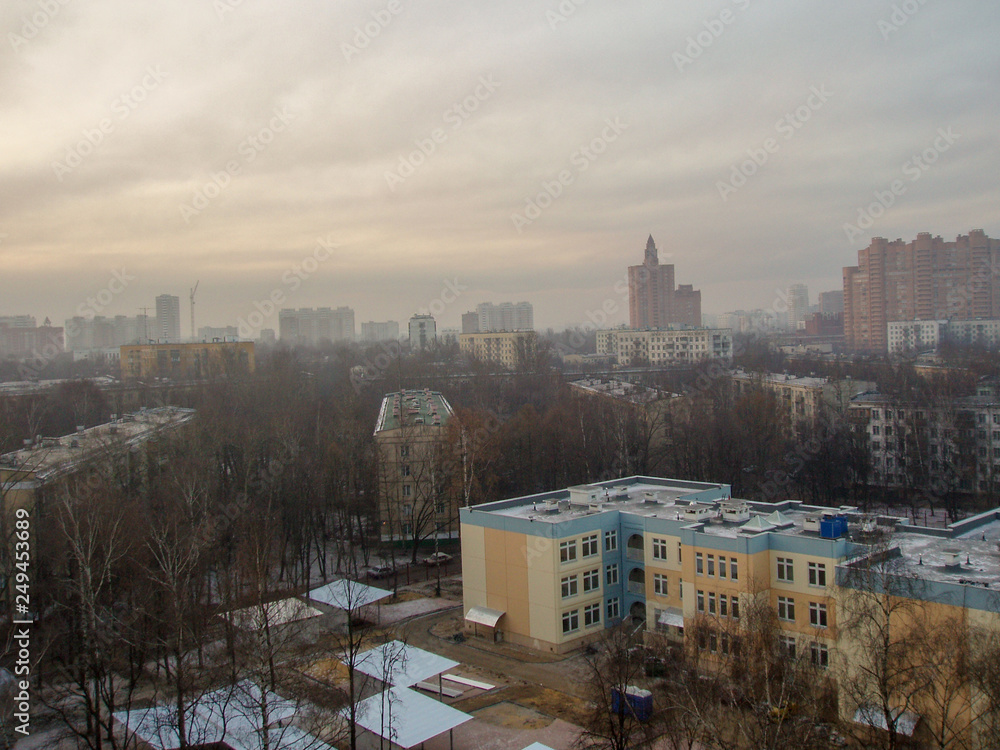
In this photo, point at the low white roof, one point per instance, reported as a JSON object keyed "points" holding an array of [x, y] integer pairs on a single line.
{"points": [[157, 726], [232, 715], [406, 717], [906, 721], [348, 595], [537, 746], [401, 664], [280, 612], [672, 617], [484, 616]]}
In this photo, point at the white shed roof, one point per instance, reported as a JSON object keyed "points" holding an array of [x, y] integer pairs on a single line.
{"points": [[232, 715], [484, 616], [406, 717], [348, 595], [280, 612], [401, 664]]}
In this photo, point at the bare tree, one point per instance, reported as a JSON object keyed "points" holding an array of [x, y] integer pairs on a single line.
{"points": [[612, 723]]}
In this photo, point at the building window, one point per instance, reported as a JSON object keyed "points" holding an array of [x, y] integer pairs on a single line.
{"points": [[734, 607], [571, 621], [734, 570], [611, 540], [817, 614], [404, 451], [875, 429], [660, 585], [592, 615], [592, 580], [407, 509], [819, 655], [567, 551], [711, 565], [723, 606], [659, 549], [678, 553], [405, 470], [407, 490], [701, 601], [787, 643], [611, 575], [786, 572], [588, 547], [711, 602], [786, 608], [568, 586], [817, 574], [699, 564], [722, 567], [613, 609]]}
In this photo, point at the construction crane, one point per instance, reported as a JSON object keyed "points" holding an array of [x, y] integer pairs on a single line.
{"points": [[193, 290]]}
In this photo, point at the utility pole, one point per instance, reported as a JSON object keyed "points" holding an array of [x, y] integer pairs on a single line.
{"points": [[193, 290]]}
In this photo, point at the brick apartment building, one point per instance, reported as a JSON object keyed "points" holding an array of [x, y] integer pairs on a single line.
{"points": [[926, 279]]}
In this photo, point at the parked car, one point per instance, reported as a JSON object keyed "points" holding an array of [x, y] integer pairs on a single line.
{"points": [[438, 558], [381, 571]]}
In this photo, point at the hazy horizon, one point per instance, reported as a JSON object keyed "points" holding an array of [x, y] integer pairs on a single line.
{"points": [[397, 150]]}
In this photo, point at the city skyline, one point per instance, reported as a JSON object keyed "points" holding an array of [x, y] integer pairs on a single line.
{"points": [[197, 146]]}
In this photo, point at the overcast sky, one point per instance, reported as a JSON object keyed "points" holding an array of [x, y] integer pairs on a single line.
{"points": [[223, 140]]}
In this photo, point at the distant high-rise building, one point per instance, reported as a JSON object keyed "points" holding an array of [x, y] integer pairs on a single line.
{"points": [[310, 327], [375, 331], [506, 316], [100, 332], [926, 279], [168, 318], [470, 322], [17, 321], [831, 303], [653, 299], [798, 304], [19, 340], [423, 332]]}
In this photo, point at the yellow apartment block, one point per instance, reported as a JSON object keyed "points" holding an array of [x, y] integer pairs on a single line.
{"points": [[409, 433], [552, 571], [512, 349], [187, 361]]}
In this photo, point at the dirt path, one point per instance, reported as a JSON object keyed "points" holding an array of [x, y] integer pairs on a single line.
{"points": [[563, 674]]}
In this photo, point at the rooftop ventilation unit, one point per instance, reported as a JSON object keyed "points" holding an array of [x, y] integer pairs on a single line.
{"points": [[952, 558], [833, 527], [736, 513]]}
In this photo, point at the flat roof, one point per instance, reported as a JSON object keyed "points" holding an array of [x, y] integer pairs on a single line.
{"points": [[401, 664], [52, 457], [969, 557], [781, 379], [279, 612], [638, 394], [406, 717], [348, 595], [413, 408]]}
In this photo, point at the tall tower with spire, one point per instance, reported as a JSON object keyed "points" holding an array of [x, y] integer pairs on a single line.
{"points": [[653, 299]]}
